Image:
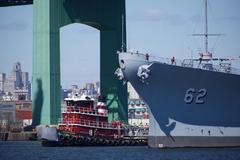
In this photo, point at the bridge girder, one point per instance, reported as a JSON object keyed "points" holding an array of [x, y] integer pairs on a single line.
{"points": [[6, 3]]}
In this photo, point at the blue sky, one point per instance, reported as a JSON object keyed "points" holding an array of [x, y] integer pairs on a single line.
{"points": [[159, 27]]}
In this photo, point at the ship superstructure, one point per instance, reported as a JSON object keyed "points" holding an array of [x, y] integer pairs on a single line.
{"points": [[85, 116]]}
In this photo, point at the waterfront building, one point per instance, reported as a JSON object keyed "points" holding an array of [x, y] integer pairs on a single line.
{"points": [[138, 114], [14, 115], [7, 113]]}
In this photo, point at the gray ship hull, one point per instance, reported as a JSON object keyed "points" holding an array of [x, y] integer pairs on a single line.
{"points": [[189, 107]]}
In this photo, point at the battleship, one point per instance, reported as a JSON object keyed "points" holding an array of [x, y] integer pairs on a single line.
{"points": [[192, 102]]}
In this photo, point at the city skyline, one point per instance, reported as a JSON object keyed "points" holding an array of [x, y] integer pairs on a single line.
{"points": [[152, 26], [15, 85]]}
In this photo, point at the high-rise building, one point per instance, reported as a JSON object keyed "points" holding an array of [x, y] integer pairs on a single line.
{"points": [[90, 88], [17, 75], [9, 85], [2, 81], [75, 89], [16, 84], [25, 79], [97, 87], [26, 83]]}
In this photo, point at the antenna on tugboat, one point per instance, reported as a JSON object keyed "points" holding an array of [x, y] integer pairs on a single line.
{"points": [[206, 34]]}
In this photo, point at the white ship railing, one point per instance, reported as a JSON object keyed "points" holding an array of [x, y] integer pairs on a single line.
{"points": [[82, 110], [223, 66], [89, 123]]}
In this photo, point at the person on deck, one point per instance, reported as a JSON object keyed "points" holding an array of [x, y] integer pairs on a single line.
{"points": [[173, 61], [147, 56]]}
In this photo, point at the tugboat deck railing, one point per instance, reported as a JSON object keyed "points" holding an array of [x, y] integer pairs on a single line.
{"points": [[89, 123], [82, 110]]}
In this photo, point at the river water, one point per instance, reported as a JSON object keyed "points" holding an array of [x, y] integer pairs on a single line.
{"points": [[32, 150]]}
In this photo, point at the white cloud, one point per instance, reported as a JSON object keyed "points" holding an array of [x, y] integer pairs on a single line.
{"points": [[158, 15]]}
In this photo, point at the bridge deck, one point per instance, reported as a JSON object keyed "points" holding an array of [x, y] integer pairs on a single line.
{"points": [[5, 3]]}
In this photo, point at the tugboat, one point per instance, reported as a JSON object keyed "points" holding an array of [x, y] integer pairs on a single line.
{"points": [[84, 122]]}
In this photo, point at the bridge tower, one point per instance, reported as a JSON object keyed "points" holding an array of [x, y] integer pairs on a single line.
{"points": [[48, 17]]}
